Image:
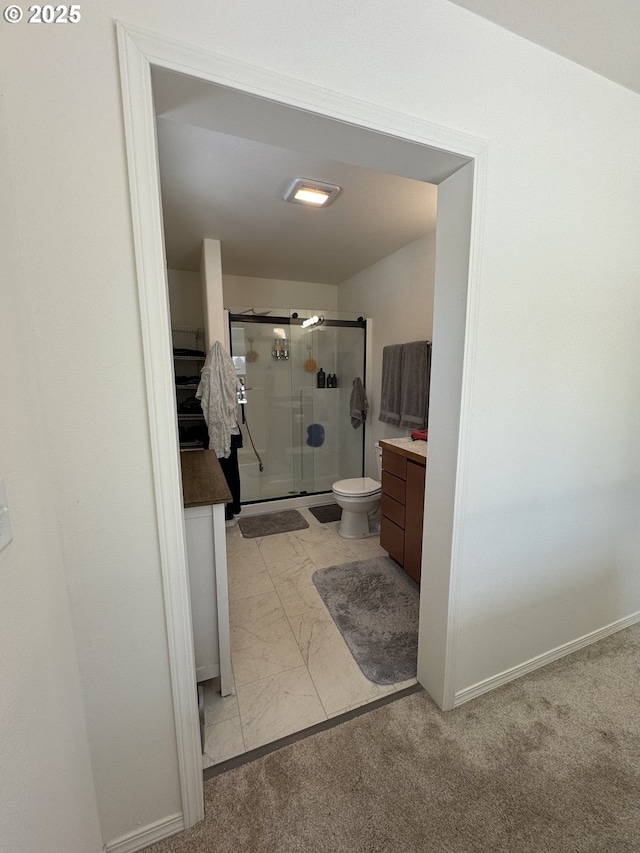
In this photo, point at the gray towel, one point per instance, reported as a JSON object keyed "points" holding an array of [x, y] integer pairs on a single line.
{"points": [[414, 385], [358, 405], [391, 384]]}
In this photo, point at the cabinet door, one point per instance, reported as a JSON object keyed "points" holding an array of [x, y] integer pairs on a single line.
{"points": [[392, 539], [393, 486], [394, 463], [414, 508], [207, 561], [202, 587], [393, 510]]}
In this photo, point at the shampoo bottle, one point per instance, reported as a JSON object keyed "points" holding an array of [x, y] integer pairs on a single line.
{"points": [[322, 379]]}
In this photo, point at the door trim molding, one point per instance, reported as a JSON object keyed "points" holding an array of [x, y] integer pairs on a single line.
{"points": [[138, 51], [148, 237]]}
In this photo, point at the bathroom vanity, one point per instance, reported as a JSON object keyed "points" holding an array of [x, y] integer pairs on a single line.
{"points": [[402, 506], [205, 493]]}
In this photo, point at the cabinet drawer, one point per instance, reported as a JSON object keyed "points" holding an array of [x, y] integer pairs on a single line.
{"points": [[393, 486], [392, 510], [413, 520], [394, 464], [392, 539]]}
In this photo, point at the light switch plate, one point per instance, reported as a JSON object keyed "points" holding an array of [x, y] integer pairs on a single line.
{"points": [[6, 534]]}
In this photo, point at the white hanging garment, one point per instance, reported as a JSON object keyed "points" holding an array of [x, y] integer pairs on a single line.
{"points": [[217, 393]]}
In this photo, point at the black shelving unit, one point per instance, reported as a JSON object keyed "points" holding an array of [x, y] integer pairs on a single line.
{"points": [[188, 420]]}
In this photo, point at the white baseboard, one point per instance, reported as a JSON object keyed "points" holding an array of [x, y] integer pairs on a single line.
{"points": [[501, 678], [141, 838]]}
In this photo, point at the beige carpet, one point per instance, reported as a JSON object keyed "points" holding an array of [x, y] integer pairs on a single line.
{"points": [[547, 763]]}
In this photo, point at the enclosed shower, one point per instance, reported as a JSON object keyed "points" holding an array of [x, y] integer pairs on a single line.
{"points": [[296, 368]]}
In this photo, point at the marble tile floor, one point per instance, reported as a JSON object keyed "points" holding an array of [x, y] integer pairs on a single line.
{"points": [[291, 667]]}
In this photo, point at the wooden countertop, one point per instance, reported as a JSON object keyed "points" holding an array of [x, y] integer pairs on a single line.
{"points": [[414, 450], [203, 483]]}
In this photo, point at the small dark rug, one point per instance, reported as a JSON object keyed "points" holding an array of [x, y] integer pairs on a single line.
{"points": [[270, 523], [327, 513], [374, 604]]}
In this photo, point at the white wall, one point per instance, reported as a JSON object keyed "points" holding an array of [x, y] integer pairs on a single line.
{"points": [[261, 293], [548, 511], [47, 798], [185, 298], [215, 321], [397, 295], [72, 208]]}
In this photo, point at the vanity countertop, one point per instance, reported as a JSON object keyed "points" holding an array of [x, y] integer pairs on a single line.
{"points": [[415, 450], [203, 483]]}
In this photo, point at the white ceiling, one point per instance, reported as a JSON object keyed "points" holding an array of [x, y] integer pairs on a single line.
{"points": [[221, 186], [603, 35], [226, 159]]}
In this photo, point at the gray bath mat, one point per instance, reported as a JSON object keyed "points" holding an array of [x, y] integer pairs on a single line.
{"points": [[268, 523], [374, 604], [326, 513]]}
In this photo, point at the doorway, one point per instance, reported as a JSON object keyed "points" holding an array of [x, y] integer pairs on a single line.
{"points": [[371, 251], [456, 163]]}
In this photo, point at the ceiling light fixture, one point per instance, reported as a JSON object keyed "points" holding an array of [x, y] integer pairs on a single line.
{"points": [[313, 193]]}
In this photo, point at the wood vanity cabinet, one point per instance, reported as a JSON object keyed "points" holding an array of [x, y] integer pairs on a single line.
{"points": [[402, 507]]}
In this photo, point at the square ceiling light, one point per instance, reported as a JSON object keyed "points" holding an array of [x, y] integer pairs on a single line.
{"points": [[312, 193]]}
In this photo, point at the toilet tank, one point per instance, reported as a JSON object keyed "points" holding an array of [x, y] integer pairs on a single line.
{"points": [[378, 451]]}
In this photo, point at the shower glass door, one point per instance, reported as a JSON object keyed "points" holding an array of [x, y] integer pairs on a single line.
{"points": [[297, 437]]}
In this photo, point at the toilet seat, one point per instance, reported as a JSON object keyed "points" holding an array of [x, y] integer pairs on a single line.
{"points": [[357, 487]]}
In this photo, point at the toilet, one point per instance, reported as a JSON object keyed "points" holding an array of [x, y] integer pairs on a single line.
{"points": [[359, 498]]}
